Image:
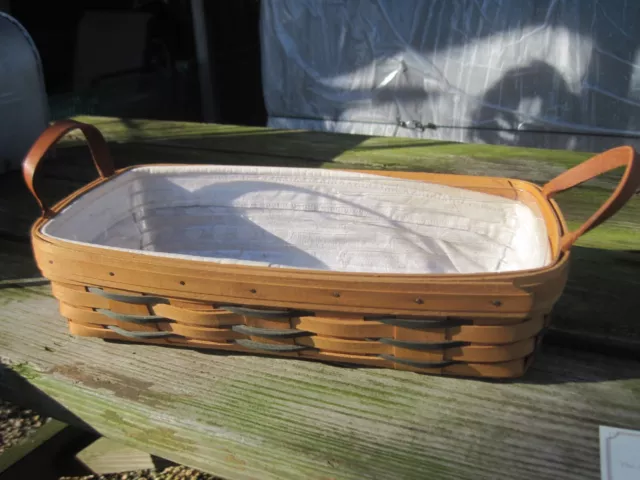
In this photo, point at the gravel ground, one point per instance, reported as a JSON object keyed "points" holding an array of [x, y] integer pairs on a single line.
{"points": [[170, 473], [16, 424]]}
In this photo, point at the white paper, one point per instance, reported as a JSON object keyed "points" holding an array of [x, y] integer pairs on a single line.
{"points": [[619, 454]]}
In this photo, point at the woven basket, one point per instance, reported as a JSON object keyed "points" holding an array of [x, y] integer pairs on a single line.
{"points": [[467, 324]]}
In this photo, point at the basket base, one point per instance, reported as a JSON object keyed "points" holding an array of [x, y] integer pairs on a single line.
{"points": [[509, 369]]}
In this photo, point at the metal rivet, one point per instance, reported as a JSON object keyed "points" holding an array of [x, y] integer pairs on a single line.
{"points": [[336, 294], [253, 290], [181, 282], [111, 274], [419, 301], [496, 303]]}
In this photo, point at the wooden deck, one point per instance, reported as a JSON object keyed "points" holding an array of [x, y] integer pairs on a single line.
{"points": [[242, 416]]}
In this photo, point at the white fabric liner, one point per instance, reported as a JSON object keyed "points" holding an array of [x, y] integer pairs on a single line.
{"points": [[307, 219]]}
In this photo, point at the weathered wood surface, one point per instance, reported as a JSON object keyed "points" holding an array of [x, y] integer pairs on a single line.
{"points": [[107, 456], [252, 417], [255, 417]]}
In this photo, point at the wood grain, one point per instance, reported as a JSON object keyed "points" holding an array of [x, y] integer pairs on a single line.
{"points": [[106, 456], [245, 417]]}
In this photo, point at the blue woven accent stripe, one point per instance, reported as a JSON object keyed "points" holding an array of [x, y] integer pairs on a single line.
{"points": [[270, 347], [132, 318], [133, 299], [147, 335]]}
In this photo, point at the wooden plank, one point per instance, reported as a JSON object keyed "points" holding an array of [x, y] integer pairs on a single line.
{"points": [[447, 157], [244, 417], [107, 456]]}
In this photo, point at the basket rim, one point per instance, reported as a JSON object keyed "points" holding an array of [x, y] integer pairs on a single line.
{"points": [[555, 222]]}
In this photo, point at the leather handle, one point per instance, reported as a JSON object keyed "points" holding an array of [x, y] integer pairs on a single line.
{"points": [[628, 186], [48, 138]]}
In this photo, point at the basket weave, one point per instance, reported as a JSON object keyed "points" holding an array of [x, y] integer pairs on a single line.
{"points": [[484, 325]]}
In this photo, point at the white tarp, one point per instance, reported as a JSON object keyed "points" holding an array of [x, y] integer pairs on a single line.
{"points": [[546, 73]]}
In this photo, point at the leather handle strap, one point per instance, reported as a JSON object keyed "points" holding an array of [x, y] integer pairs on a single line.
{"points": [[48, 138], [628, 186]]}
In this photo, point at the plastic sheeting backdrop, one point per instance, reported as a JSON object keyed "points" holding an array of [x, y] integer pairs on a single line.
{"points": [[492, 71]]}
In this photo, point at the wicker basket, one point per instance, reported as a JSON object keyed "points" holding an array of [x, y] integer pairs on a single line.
{"points": [[470, 324]]}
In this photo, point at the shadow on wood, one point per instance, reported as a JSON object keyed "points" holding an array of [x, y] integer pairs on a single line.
{"points": [[17, 389], [49, 452], [552, 364]]}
